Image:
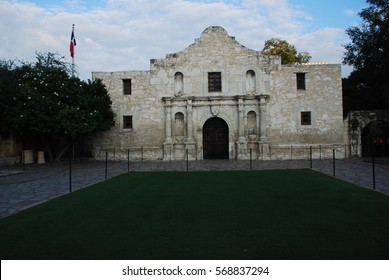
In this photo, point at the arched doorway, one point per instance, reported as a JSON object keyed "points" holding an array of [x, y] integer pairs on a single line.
{"points": [[215, 139], [375, 137]]}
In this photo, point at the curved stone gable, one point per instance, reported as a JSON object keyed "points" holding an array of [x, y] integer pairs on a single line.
{"points": [[213, 31], [216, 35], [214, 47]]}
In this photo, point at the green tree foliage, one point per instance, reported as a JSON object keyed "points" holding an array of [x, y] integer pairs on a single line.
{"points": [[355, 97], [288, 52], [8, 83], [368, 52], [42, 99]]}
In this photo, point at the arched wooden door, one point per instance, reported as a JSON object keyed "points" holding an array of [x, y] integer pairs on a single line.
{"points": [[215, 139], [375, 138]]}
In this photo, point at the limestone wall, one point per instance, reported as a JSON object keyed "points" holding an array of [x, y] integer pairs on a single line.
{"points": [[258, 100], [214, 51], [322, 97], [144, 105]]}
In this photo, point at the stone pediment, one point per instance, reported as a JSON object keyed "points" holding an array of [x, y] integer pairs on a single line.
{"points": [[214, 46], [214, 34]]}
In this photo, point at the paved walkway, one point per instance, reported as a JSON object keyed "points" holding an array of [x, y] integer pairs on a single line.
{"points": [[38, 183]]}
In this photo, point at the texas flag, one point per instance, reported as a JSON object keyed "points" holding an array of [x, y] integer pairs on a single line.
{"points": [[72, 43]]}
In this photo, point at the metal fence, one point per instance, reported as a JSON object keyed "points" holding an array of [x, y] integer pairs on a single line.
{"points": [[179, 152], [39, 182], [256, 152]]}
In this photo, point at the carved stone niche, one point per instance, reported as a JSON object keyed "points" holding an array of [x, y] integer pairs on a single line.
{"points": [[250, 83], [179, 127], [252, 131], [178, 84]]}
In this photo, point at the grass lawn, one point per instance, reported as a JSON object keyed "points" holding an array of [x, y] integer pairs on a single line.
{"points": [[277, 214]]}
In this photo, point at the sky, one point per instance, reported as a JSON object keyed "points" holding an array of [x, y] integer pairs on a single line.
{"points": [[120, 35]]}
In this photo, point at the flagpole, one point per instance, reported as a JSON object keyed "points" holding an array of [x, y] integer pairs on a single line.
{"points": [[73, 65]]}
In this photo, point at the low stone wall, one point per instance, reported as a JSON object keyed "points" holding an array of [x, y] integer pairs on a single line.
{"points": [[134, 154], [254, 151], [292, 152]]}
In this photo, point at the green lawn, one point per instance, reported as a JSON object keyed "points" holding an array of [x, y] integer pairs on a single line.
{"points": [[278, 214]]}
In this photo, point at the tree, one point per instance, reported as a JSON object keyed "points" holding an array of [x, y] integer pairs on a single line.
{"points": [[368, 52], [288, 52], [355, 97], [43, 101], [8, 84]]}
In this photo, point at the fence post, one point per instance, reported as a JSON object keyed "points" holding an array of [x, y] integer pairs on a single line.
{"points": [[251, 159], [262, 152], [333, 162], [373, 166], [310, 155], [128, 160], [106, 165], [23, 161], [320, 152], [70, 173], [187, 160], [345, 151]]}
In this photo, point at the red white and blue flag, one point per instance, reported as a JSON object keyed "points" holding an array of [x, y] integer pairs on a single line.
{"points": [[72, 43]]}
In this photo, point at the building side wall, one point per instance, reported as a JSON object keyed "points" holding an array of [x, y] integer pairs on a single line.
{"points": [[145, 107], [322, 97]]}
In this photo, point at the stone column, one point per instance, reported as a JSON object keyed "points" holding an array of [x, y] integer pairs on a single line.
{"points": [[240, 120], [242, 142], [190, 144], [168, 143], [264, 146], [262, 111], [189, 121]]}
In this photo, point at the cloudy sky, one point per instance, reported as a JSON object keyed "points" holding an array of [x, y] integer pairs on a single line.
{"points": [[116, 35]]}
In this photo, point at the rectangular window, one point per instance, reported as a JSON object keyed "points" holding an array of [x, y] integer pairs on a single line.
{"points": [[127, 86], [214, 82], [300, 78], [127, 122], [305, 118]]}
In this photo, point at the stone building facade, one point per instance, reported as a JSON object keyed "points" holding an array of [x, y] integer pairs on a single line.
{"points": [[368, 133], [219, 99], [10, 149]]}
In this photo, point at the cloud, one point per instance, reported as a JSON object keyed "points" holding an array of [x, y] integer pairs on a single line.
{"points": [[125, 35], [350, 12], [324, 45]]}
